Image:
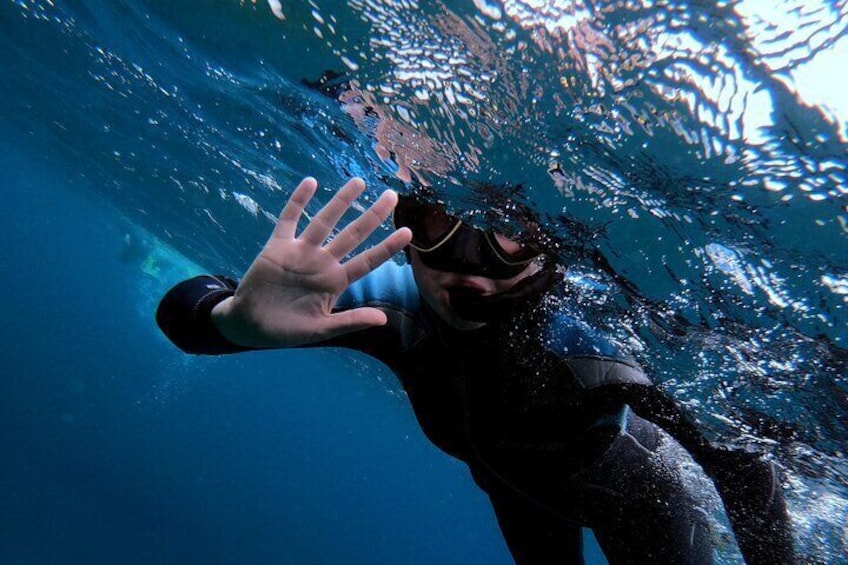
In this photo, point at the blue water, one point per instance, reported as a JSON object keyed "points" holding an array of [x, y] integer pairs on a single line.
{"points": [[118, 449], [142, 142]]}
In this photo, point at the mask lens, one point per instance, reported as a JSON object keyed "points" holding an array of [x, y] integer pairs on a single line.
{"points": [[507, 245], [430, 224], [512, 251], [437, 224]]}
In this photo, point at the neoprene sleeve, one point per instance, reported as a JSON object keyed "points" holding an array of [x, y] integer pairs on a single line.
{"points": [[748, 484], [185, 315]]}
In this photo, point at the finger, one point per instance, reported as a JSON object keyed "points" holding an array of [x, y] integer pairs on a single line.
{"points": [[324, 221], [287, 224], [358, 230], [367, 261]]}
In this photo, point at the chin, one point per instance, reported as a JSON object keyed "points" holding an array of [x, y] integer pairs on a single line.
{"points": [[459, 323]]}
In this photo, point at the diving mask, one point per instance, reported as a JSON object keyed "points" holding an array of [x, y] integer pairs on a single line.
{"points": [[446, 243]]}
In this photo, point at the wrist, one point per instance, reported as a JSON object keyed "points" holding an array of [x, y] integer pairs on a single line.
{"points": [[237, 328], [223, 320]]}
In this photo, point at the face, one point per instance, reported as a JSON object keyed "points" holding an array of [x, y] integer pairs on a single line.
{"points": [[434, 286]]}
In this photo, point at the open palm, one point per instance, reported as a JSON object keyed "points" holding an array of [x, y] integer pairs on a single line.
{"points": [[286, 297]]}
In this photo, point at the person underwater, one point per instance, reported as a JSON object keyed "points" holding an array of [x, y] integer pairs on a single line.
{"points": [[558, 426]]}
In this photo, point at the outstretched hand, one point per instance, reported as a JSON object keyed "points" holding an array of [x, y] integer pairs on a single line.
{"points": [[286, 297]]}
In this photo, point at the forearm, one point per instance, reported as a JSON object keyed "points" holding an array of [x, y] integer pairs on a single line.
{"points": [[196, 317], [185, 315]]}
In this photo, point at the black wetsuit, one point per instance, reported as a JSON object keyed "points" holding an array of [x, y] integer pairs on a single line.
{"points": [[546, 413]]}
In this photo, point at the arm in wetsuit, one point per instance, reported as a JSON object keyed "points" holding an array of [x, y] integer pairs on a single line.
{"points": [[748, 484], [184, 314]]}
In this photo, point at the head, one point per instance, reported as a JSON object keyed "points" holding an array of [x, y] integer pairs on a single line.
{"points": [[468, 276]]}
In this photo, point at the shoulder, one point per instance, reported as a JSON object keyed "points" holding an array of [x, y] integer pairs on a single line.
{"points": [[593, 357], [390, 285], [566, 335], [392, 289]]}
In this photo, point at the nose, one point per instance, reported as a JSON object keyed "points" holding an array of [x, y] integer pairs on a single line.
{"points": [[467, 245]]}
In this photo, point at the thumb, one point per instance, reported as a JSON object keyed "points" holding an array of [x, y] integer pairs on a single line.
{"points": [[355, 320]]}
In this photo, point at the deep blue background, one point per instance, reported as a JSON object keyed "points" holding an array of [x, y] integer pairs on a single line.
{"points": [[120, 449], [116, 448]]}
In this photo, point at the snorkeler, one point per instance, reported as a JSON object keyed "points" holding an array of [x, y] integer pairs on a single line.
{"points": [[556, 425]]}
